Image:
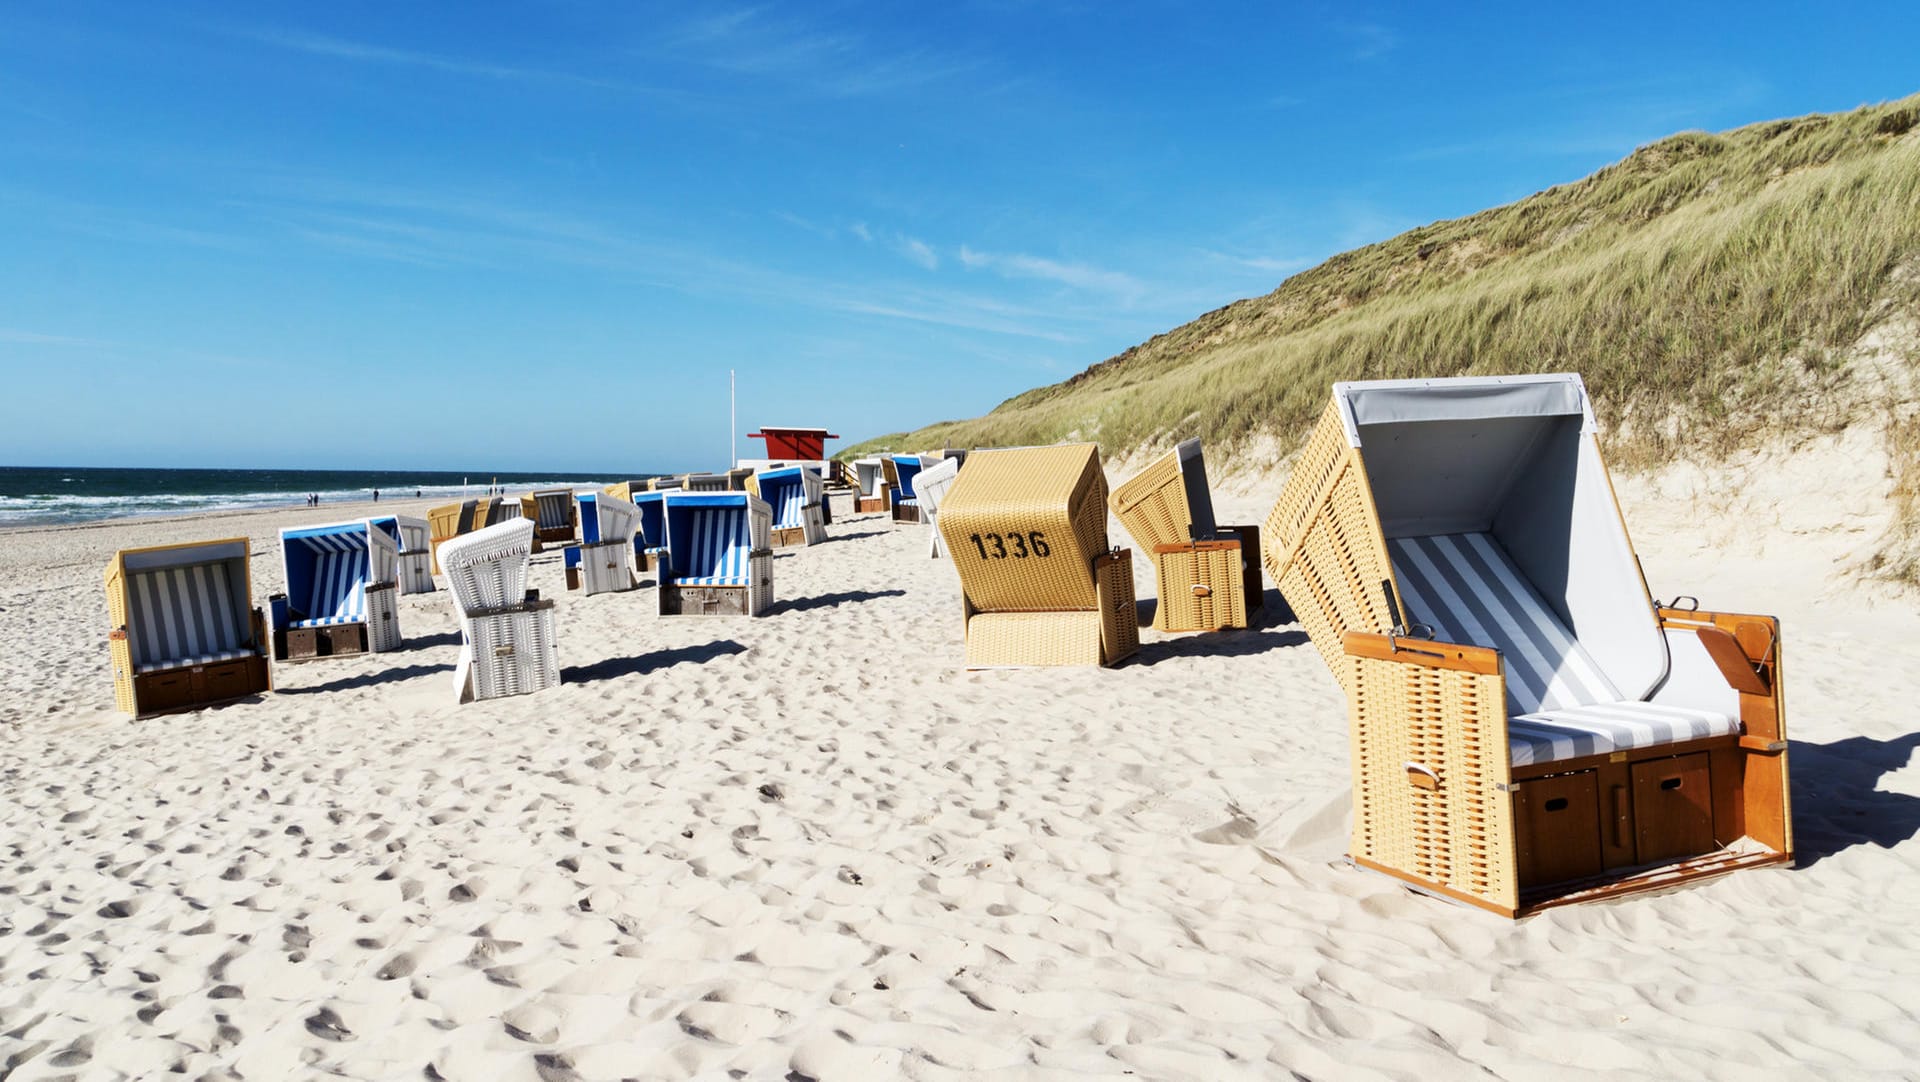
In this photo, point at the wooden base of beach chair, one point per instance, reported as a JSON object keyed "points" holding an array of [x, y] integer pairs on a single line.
{"points": [[562, 535], [1107, 635], [379, 633], [191, 687], [868, 505], [787, 536]]}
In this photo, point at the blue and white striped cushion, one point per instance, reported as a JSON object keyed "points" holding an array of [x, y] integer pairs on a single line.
{"points": [[326, 621], [717, 554], [909, 501], [1466, 588], [787, 512], [175, 614], [202, 659], [1550, 736]]}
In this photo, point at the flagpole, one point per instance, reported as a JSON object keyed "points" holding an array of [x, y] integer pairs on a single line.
{"points": [[732, 419]]}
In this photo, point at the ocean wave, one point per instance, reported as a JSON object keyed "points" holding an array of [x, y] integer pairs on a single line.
{"points": [[64, 508]]}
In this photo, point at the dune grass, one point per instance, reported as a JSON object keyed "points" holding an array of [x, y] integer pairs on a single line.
{"points": [[1708, 287]]}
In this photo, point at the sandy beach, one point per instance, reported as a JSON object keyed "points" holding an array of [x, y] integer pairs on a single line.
{"points": [[810, 845]]}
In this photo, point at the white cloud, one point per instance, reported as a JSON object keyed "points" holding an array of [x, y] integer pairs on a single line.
{"points": [[1073, 275]]}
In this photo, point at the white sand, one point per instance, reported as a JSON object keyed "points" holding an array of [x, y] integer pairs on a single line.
{"points": [[810, 843]]}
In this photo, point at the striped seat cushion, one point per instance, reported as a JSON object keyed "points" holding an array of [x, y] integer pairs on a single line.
{"points": [[1466, 588], [712, 580], [179, 615], [909, 501], [1549, 736], [326, 621], [202, 659]]}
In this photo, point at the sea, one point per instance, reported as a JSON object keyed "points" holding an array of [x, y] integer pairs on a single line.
{"points": [[36, 495]]}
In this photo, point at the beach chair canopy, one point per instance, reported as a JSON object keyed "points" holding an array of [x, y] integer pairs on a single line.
{"points": [[1168, 503], [185, 604], [411, 534], [1502, 531], [1003, 520], [606, 518], [789, 490], [709, 538], [705, 482], [869, 475], [487, 569], [329, 568]]}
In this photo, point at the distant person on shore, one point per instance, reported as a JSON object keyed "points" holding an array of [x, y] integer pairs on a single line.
{"points": [[376, 495], [416, 493]]}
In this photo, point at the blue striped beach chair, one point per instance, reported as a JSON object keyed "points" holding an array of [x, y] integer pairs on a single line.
{"points": [[603, 561], [340, 596], [719, 559], [414, 571], [796, 494], [1528, 726], [185, 632], [902, 499], [507, 643]]}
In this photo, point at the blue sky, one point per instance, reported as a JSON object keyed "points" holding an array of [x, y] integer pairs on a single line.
{"points": [[538, 236]]}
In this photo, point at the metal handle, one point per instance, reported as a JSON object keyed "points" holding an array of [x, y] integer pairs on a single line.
{"points": [[1201, 589]]}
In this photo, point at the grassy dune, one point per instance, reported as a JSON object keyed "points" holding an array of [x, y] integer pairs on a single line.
{"points": [[1710, 288]]}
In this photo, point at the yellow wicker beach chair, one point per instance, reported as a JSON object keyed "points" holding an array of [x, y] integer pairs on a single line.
{"points": [[555, 515], [450, 520], [1027, 531], [185, 632], [1528, 728], [1209, 574]]}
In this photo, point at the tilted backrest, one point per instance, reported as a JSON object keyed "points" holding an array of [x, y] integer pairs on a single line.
{"points": [[487, 569], [606, 518], [1024, 526], [328, 568], [1168, 502], [789, 491]]}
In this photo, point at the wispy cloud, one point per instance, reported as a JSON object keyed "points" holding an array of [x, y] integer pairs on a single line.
{"points": [[1073, 275], [361, 52], [1367, 40], [756, 42], [917, 251], [35, 338]]}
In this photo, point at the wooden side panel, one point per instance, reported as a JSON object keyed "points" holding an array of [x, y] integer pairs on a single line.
{"points": [[1760, 784]]}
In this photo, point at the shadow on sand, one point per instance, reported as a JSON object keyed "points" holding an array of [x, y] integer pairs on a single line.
{"points": [[639, 665], [1835, 804], [367, 680], [828, 601]]}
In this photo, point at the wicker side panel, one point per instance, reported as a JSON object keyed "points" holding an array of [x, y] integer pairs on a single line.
{"points": [[120, 656], [1313, 473], [383, 620], [1153, 504], [416, 573], [1119, 615], [1330, 564], [1459, 834], [994, 549], [1201, 589], [996, 639]]}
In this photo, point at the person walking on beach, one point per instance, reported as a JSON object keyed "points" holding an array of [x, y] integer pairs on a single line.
{"points": [[376, 495]]}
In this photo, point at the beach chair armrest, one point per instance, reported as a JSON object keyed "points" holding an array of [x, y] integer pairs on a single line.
{"points": [[1424, 652]]}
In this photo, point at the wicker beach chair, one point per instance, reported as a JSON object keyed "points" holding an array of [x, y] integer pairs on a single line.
{"points": [[341, 595], [555, 515], [449, 521], [719, 559], [414, 536], [1027, 531], [650, 535], [870, 486], [603, 560], [1528, 727], [901, 497], [507, 640], [1209, 574], [706, 482], [797, 496], [930, 487], [184, 630]]}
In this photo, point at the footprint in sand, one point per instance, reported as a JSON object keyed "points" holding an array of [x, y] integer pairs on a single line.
{"points": [[326, 1025]]}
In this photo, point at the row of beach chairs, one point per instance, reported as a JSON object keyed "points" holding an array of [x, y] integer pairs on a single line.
{"points": [[1528, 726]]}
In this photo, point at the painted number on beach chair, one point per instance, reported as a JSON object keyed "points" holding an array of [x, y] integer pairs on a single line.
{"points": [[1019, 546]]}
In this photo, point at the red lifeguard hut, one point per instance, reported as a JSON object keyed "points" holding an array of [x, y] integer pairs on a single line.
{"points": [[794, 444]]}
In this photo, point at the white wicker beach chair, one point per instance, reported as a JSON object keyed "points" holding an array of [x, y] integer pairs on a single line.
{"points": [[603, 561], [341, 595], [931, 487], [508, 639]]}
